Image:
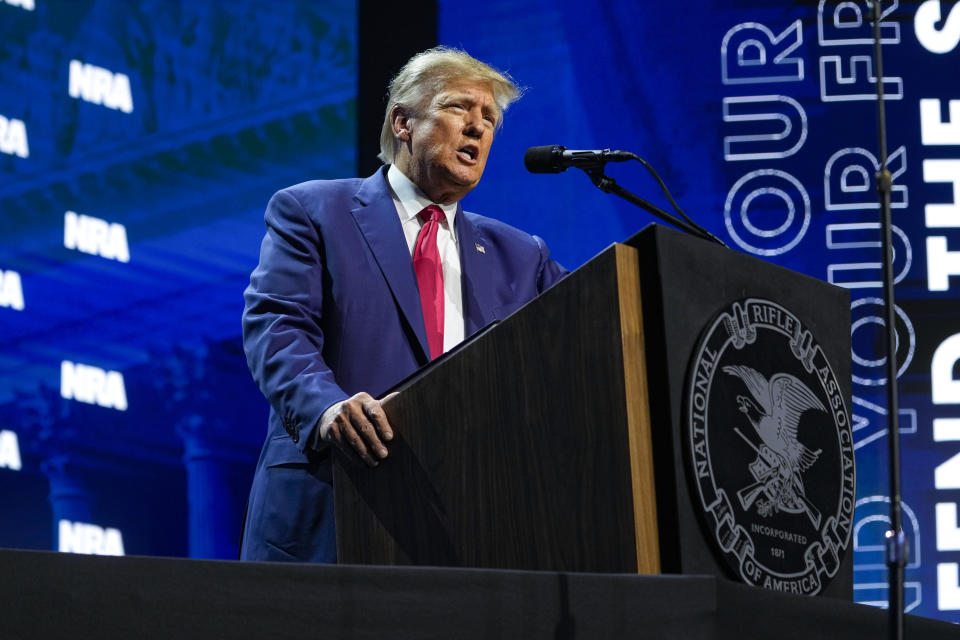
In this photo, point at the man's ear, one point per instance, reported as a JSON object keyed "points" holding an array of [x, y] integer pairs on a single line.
{"points": [[400, 121]]}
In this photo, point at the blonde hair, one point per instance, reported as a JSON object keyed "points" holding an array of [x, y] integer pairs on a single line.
{"points": [[427, 74]]}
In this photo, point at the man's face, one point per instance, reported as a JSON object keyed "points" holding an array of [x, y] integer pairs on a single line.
{"points": [[445, 146]]}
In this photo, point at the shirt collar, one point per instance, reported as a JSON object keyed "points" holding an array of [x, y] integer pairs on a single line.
{"points": [[412, 200]]}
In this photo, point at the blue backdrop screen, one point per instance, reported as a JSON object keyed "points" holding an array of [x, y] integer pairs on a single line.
{"points": [[140, 143]]}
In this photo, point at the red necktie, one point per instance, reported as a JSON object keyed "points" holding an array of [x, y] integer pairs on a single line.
{"points": [[429, 270]]}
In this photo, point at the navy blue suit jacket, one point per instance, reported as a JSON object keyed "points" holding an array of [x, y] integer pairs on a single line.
{"points": [[333, 309]]}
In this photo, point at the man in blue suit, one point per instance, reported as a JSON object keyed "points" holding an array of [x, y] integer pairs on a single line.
{"points": [[363, 281]]}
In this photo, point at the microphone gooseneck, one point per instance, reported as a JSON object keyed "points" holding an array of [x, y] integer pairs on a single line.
{"points": [[556, 158]]}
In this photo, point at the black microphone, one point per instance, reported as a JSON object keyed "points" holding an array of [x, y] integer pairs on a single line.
{"points": [[556, 158]]}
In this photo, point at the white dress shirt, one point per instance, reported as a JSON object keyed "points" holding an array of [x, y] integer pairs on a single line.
{"points": [[410, 201]]}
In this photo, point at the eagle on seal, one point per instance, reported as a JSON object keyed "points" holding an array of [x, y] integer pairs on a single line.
{"points": [[774, 408]]}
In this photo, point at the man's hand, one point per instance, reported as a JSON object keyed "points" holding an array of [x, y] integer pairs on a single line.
{"points": [[358, 425]]}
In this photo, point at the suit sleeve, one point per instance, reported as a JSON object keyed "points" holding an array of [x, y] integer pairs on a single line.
{"points": [[549, 271], [282, 334]]}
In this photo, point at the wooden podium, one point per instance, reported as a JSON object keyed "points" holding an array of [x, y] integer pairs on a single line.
{"points": [[551, 440]]}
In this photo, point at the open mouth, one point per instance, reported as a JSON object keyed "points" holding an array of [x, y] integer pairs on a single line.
{"points": [[468, 153]]}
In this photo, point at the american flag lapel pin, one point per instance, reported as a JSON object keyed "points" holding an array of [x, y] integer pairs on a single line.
{"points": [[480, 248]]}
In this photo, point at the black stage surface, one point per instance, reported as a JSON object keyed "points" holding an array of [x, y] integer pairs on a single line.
{"points": [[51, 595]]}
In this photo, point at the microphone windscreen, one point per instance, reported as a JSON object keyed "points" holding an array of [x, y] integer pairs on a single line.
{"points": [[542, 159]]}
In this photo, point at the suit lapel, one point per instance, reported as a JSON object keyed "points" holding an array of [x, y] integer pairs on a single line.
{"points": [[378, 221], [476, 264]]}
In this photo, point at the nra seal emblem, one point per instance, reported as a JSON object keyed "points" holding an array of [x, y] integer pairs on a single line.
{"points": [[770, 448]]}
